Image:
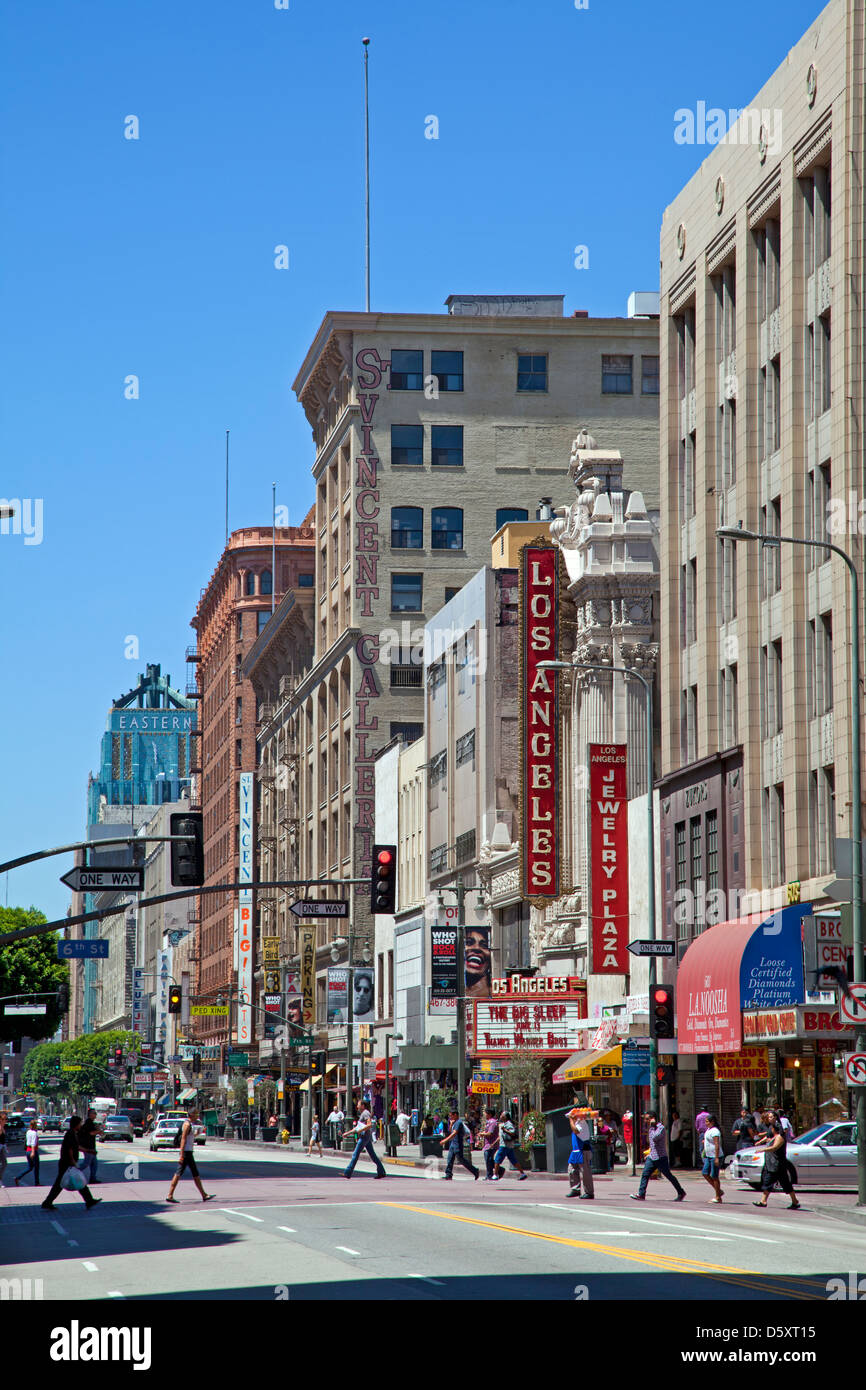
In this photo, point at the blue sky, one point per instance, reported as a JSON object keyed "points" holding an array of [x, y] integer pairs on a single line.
{"points": [[155, 257]]}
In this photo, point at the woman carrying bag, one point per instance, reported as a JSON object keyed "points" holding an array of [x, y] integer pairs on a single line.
{"points": [[776, 1169], [69, 1175]]}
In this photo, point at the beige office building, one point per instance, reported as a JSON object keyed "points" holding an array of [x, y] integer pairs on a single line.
{"points": [[762, 402]]}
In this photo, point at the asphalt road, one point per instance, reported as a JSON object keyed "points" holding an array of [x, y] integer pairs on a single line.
{"points": [[286, 1227]]}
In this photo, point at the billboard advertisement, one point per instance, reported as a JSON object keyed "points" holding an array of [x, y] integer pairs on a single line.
{"points": [[245, 909], [443, 963], [338, 994], [539, 723], [608, 826]]}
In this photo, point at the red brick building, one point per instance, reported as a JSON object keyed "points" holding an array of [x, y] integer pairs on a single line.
{"points": [[232, 611]]}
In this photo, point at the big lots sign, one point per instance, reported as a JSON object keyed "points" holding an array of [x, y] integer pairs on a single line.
{"points": [[608, 798], [539, 723]]}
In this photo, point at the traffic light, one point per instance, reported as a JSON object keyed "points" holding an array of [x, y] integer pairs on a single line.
{"points": [[661, 1012], [665, 1076], [174, 999], [118, 1056], [187, 856], [196, 1062], [57, 1065], [383, 884], [317, 1064], [63, 998]]}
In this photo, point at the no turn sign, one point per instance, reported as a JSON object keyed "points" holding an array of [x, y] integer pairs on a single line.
{"points": [[855, 1068], [853, 1005]]}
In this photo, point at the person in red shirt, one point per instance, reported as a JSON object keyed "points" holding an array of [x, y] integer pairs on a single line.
{"points": [[628, 1135]]}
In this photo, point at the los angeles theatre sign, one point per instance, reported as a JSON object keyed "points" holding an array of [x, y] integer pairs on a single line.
{"points": [[539, 722]]}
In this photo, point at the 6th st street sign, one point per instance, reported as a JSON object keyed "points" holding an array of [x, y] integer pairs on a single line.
{"points": [[104, 880]]}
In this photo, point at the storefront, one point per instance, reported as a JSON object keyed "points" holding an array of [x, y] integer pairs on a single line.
{"points": [[542, 1016], [805, 1046]]}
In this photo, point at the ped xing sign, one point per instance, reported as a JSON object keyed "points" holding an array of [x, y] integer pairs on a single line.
{"points": [[207, 1010]]}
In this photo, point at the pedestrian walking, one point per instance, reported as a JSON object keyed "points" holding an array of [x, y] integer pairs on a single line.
{"points": [[438, 1123], [580, 1160], [776, 1168], [657, 1160], [335, 1125], [3, 1142], [507, 1137], [701, 1121], [70, 1153], [628, 1135], [315, 1138], [403, 1125], [32, 1142], [364, 1144], [454, 1139], [186, 1162], [744, 1129], [490, 1145], [676, 1140], [782, 1117], [87, 1145], [712, 1164]]}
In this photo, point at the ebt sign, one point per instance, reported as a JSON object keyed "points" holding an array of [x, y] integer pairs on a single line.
{"points": [[539, 722]]}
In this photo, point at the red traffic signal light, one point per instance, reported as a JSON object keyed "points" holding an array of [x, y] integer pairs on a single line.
{"points": [[662, 1012], [118, 1055], [383, 885]]}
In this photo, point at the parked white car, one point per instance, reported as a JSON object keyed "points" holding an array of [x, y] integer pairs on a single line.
{"points": [[825, 1156], [166, 1135]]}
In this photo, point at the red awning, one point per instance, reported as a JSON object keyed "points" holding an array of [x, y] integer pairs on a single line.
{"points": [[708, 988], [380, 1068]]}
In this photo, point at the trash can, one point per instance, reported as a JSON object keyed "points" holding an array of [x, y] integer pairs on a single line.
{"points": [[599, 1155], [430, 1147]]}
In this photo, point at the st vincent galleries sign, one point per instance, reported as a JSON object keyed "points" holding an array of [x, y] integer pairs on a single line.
{"points": [[539, 722]]}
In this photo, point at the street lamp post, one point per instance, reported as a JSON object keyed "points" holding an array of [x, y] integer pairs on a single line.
{"points": [[651, 834], [736, 534], [460, 890], [386, 1114]]}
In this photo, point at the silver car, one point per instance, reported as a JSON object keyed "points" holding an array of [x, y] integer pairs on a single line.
{"points": [[825, 1156], [117, 1127]]}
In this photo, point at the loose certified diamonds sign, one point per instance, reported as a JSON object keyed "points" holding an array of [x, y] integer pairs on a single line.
{"points": [[539, 723], [608, 816]]}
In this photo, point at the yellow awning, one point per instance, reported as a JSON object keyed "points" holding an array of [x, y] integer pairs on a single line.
{"points": [[305, 1085], [599, 1064]]}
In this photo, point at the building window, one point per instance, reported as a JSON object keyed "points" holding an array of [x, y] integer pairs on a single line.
{"points": [[239, 710], [446, 446], [774, 835], [688, 602], [437, 675], [616, 374], [775, 440], [450, 593], [506, 514], [465, 847], [407, 369], [771, 689], [822, 820], [726, 445], [407, 445], [447, 367], [712, 829], [728, 706], [687, 472], [406, 673], [262, 617], [438, 860], [465, 749], [406, 733], [771, 555], [250, 586], [531, 371], [727, 596], [406, 593], [823, 362], [238, 752], [680, 879], [447, 528], [407, 528], [438, 769], [240, 627], [819, 665], [696, 851], [649, 376], [306, 581], [266, 583], [689, 724]]}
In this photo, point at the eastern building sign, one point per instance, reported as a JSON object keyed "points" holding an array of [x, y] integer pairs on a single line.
{"points": [[539, 723], [136, 721], [608, 816]]}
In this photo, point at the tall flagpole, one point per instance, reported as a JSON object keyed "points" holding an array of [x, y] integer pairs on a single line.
{"points": [[366, 43], [227, 487], [273, 547]]}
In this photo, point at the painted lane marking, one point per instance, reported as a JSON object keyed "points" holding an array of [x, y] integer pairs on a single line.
{"points": [[57, 1226], [289, 1230], [649, 1235], [117, 1294], [744, 1278], [347, 1250], [648, 1221], [427, 1280], [231, 1211], [88, 1264]]}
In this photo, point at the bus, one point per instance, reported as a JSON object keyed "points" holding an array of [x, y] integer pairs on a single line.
{"points": [[104, 1106]]}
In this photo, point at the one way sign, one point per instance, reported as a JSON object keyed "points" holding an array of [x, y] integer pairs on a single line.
{"points": [[104, 880]]}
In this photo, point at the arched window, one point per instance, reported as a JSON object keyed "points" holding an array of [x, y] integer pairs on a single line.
{"points": [[407, 528], [506, 514], [266, 584], [447, 528], [250, 587]]}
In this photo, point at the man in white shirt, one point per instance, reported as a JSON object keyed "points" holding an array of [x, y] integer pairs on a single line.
{"points": [[335, 1126], [32, 1155], [580, 1161], [364, 1136], [403, 1125]]}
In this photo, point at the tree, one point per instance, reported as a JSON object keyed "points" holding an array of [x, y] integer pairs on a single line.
{"points": [[27, 968], [40, 1068], [91, 1052], [524, 1076]]}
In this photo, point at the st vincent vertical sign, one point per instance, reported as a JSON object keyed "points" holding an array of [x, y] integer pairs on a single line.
{"points": [[608, 798], [539, 722]]}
